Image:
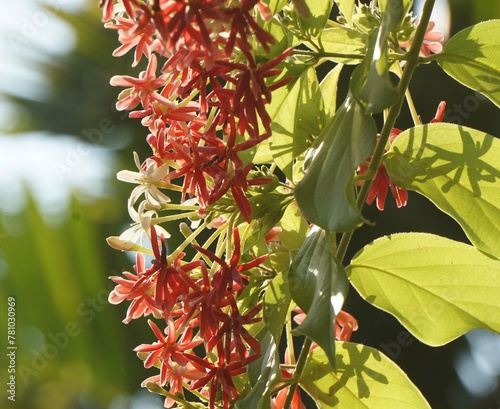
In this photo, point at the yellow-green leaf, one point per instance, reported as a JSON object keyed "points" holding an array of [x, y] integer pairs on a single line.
{"points": [[457, 168], [472, 57], [437, 288], [365, 378]]}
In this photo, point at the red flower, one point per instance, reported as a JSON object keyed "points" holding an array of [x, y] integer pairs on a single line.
{"points": [[382, 182], [344, 324], [220, 375], [232, 330], [172, 280], [137, 289], [229, 274], [168, 347]]}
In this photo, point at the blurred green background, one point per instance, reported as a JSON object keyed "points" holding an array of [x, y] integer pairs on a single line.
{"points": [[61, 144]]}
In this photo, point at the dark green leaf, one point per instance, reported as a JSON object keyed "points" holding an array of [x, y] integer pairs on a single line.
{"points": [[326, 193], [371, 81], [318, 284], [276, 302], [262, 373]]}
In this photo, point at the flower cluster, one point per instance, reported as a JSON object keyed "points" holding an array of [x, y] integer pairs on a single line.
{"points": [[199, 309], [206, 103], [202, 97]]}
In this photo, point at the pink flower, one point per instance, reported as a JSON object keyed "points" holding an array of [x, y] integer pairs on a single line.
{"points": [[344, 325], [432, 42], [143, 88]]}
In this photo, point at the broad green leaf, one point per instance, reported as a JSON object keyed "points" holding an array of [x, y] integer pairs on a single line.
{"points": [[276, 302], [457, 168], [347, 9], [365, 378], [326, 193], [472, 57], [319, 11], [328, 89], [262, 152], [318, 284], [282, 40], [300, 114], [371, 81], [262, 373], [343, 40], [437, 288]]}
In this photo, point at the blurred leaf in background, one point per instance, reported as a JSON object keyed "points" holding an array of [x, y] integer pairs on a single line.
{"points": [[58, 202]]}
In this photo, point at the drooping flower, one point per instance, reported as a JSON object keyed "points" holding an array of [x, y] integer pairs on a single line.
{"points": [[343, 326], [432, 41]]}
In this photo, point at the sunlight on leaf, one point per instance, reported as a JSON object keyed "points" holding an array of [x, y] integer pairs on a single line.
{"points": [[437, 288], [365, 378], [472, 57], [457, 168]]}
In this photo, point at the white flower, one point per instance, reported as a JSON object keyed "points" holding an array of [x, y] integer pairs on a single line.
{"points": [[143, 220], [148, 181]]}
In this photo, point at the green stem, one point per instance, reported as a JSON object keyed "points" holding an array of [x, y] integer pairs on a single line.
{"points": [[301, 363], [409, 100], [324, 54], [411, 65]]}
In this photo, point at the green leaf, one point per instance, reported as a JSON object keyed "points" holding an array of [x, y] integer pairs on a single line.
{"points": [[347, 9], [343, 40], [263, 371], [276, 5], [262, 152], [328, 89], [365, 378], [472, 57], [300, 114], [315, 21], [294, 228], [457, 168], [371, 81], [437, 288], [326, 193], [276, 302], [318, 284], [405, 4]]}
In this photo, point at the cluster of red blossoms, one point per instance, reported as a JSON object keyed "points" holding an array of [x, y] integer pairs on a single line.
{"points": [[202, 107], [200, 310], [210, 92]]}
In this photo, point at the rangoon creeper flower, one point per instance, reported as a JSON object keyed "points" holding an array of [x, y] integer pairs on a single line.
{"points": [[143, 220], [148, 180], [432, 42]]}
